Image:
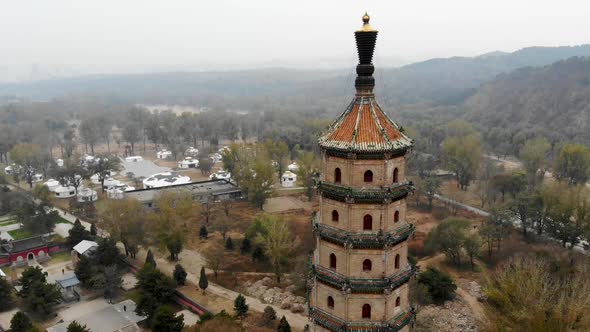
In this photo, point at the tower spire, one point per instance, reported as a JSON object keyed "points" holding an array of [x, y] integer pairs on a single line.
{"points": [[366, 39]]}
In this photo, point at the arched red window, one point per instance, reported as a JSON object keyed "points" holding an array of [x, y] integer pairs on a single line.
{"points": [[397, 261], [398, 302], [396, 216], [335, 216], [367, 265], [337, 175], [330, 302], [395, 175], [368, 177], [367, 222], [333, 261], [366, 310]]}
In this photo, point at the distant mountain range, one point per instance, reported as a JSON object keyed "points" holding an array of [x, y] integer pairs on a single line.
{"points": [[551, 101], [448, 81]]}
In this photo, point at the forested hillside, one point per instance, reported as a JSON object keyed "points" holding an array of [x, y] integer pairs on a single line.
{"points": [[551, 101], [434, 82]]}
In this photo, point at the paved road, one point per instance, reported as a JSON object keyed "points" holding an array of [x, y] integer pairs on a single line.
{"points": [[461, 205]]}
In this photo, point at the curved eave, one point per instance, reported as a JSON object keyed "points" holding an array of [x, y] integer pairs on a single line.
{"points": [[346, 147]]}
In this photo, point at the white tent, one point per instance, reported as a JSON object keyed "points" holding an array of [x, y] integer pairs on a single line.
{"points": [[117, 192], [215, 157], [59, 162], [37, 177], [52, 184], [87, 195], [293, 167], [65, 192], [191, 151], [220, 175], [163, 154], [133, 158], [288, 179], [165, 179], [188, 162], [110, 182]]}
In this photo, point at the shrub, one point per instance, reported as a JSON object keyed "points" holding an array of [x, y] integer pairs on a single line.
{"points": [[268, 316], [440, 285]]}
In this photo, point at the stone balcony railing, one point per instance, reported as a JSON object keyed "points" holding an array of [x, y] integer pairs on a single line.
{"points": [[377, 240], [361, 285], [386, 194], [334, 323]]}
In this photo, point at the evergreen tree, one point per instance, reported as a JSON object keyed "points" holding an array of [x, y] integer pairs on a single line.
{"points": [[6, 298], [93, 230], [240, 306], [203, 232], [203, 283], [84, 271], [107, 253], [20, 322], [229, 244], [246, 246], [78, 233], [107, 281], [165, 321], [149, 258], [268, 316], [179, 275], [29, 278], [154, 288], [284, 325], [174, 245], [76, 327]]}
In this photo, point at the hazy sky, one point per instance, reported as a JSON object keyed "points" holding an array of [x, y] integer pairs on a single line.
{"points": [[65, 37]]}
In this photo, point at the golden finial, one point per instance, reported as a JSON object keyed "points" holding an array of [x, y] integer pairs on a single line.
{"points": [[366, 27]]}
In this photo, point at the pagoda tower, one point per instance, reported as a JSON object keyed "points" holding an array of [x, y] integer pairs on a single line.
{"points": [[359, 268]]}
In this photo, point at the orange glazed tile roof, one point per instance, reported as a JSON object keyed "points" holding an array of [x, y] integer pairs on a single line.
{"points": [[363, 127]]}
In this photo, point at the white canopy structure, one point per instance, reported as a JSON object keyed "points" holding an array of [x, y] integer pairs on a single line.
{"points": [[85, 247], [165, 179], [192, 151], [220, 175], [288, 179], [188, 162], [52, 184], [37, 177], [116, 192], [163, 154], [95, 179], [293, 167], [133, 158], [215, 157], [65, 192], [87, 195], [10, 169], [110, 182], [59, 162]]}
